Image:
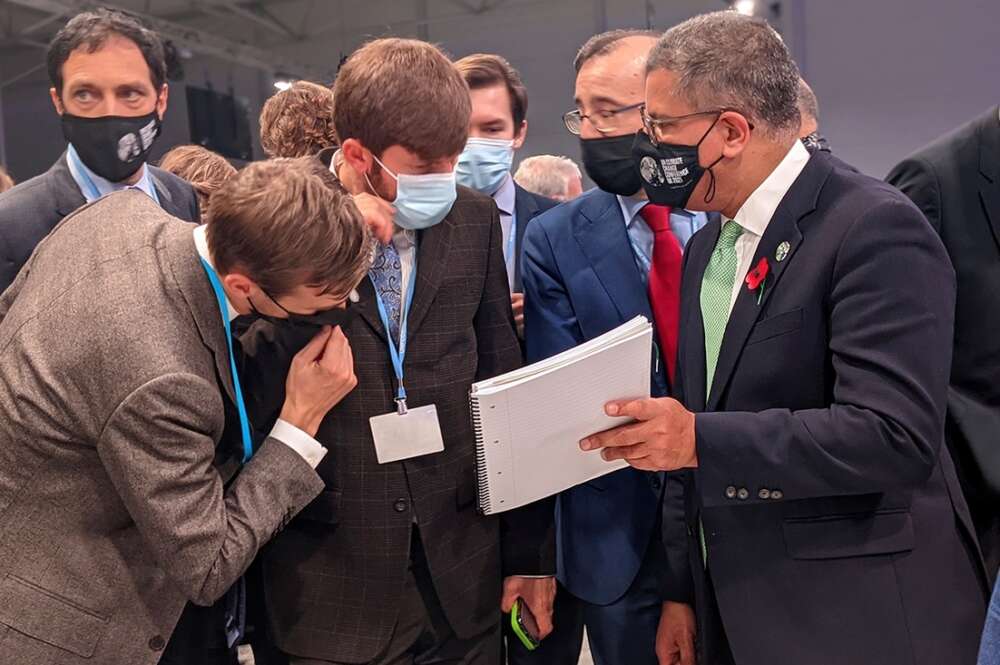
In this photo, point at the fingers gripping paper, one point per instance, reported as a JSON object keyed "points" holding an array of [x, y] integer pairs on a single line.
{"points": [[529, 422]]}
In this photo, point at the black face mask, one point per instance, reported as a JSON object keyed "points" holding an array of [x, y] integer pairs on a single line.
{"points": [[114, 147], [608, 162], [670, 172], [338, 316]]}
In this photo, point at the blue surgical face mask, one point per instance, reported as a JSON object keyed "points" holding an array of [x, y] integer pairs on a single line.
{"points": [[484, 164], [421, 200]]}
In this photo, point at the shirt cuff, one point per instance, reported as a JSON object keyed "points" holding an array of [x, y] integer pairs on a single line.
{"points": [[307, 447]]}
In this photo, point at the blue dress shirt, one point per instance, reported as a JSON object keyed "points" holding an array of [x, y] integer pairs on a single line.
{"points": [[683, 223]]}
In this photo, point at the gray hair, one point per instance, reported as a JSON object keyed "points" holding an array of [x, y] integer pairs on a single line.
{"points": [[808, 104], [606, 42], [547, 175], [728, 60]]}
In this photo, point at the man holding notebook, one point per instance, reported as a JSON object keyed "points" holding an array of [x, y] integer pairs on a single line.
{"points": [[393, 563]]}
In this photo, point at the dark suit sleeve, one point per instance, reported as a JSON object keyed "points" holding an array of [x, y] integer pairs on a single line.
{"points": [[916, 178], [890, 311], [550, 324], [527, 534]]}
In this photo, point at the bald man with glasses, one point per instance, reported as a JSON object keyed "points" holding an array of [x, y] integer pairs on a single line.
{"points": [[590, 265]]}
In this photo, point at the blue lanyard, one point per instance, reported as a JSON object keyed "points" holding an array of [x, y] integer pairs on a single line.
{"points": [[83, 179], [220, 296], [398, 355]]}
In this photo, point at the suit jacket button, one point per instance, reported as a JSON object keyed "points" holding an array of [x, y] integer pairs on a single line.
{"points": [[400, 506], [777, 495], [764, 494], [743, 494], [730, 492], [156, 643]]}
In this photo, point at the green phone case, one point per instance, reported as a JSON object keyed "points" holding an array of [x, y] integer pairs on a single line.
{"points": [[527, 640]]}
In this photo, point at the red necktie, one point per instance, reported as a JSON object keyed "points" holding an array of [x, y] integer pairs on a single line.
{"points": [[664, 281]]}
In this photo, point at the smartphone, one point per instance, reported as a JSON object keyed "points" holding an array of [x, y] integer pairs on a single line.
{"points": [[523, 623]]}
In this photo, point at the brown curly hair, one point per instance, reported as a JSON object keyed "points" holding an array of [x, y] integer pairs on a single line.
{"points": [[204, 169], [298, 122]]}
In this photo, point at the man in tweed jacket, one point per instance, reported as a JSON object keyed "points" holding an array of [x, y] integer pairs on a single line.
{"points": [[118, 504]]}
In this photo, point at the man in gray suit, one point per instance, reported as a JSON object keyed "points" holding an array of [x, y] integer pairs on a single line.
{"points": [[119, 494], [109, 86]]}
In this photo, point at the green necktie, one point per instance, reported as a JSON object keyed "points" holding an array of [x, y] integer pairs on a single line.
{"points": [[716, 294]]}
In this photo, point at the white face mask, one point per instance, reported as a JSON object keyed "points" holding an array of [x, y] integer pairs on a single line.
{"points": [[421, 200], [485, 163]]}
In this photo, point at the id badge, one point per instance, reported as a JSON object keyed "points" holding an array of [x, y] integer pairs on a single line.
{"points": [[407, 435]]}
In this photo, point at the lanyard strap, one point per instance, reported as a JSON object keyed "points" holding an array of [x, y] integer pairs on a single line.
{"points": [[398, 355], [220, 296]]}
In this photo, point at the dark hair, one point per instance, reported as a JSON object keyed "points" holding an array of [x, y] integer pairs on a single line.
{"points": [[482, 70], [91, 30], [606, 42], [402, 92]]}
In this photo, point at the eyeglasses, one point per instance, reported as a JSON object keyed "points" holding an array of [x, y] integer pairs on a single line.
{"points": [[656, 128], [605, 121]]}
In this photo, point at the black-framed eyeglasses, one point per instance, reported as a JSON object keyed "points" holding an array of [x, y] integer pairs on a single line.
{"points": [[655, 128], [604, 121]]}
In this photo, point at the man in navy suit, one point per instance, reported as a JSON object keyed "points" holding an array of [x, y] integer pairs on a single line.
{"points": [[823, 521], [497, 128], [589, 266]]}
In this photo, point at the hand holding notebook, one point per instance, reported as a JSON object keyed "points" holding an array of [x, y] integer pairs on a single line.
{"points": [[529, 422]]}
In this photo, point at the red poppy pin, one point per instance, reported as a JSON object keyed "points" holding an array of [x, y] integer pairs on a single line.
{"points": [[757, 278]]}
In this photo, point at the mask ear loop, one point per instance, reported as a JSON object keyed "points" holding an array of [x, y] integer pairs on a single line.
{"points": [[710, 194]]}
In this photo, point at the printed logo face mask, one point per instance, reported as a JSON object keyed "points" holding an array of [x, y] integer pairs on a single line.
{"points": [[670, 172], [338, 316], [421, 200], [608, 162], [484, 164], [114, 147]]}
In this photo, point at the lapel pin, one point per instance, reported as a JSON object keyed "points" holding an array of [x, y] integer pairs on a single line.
{"points": [[782, 252]]}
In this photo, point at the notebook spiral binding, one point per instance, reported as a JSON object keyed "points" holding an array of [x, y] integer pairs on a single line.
{"points": [[483, 500]]}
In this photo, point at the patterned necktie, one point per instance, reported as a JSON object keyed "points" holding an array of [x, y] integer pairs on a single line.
{"points": [[387, 276], [664, 281], [717, 294]]}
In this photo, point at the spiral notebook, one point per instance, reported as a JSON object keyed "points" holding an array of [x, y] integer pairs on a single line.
{"points": [[529, 422]]}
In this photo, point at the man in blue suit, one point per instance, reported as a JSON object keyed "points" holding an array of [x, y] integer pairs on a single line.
{"points": [[823, 520], [589, 265]]}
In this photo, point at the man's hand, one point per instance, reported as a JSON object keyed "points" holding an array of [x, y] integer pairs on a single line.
{"points": [[538, 593], [321, 375], [662, 439], [675, 635], [378, 214], [517, 304]]}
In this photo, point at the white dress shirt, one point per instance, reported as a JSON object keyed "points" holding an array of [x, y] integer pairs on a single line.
{"points": [[758, 209], [307, 447]]}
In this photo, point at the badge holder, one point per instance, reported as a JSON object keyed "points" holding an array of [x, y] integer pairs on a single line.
{"points": [[405, 433]]}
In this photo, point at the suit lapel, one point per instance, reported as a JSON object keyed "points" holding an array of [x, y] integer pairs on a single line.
{"points": [[989, 185], [65, 192], [525, 209], [434, 246], [197, 292], [600, 231], [368, 309], [692, 353], [798, 202], [166, 198]]}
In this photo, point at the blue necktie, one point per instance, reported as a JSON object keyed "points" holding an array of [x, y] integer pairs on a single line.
{"points": [[387, 276]]}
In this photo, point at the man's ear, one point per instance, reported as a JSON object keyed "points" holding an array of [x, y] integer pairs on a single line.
{"points": [[736, 133], [56, 101], [520, 135], [161, 101], [355, 155]]}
